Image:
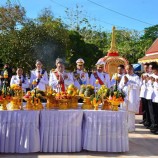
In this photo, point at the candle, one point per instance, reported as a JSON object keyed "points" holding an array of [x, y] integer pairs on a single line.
{"points": [[96, 81]]}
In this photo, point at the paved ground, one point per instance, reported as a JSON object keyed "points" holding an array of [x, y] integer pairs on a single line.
{"points": [[142, 144]]}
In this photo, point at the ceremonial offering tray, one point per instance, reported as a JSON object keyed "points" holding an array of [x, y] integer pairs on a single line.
{"points": [[15, 103], [87, 103], [63, 104], [3, 104], [106, 105]]}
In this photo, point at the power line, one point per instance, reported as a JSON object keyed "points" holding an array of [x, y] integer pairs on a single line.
{"points": [[89, 16], [118, 12]]}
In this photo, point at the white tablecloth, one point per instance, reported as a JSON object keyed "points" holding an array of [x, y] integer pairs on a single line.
{"points": [[19, 131], [61, 130], [105, 131]]}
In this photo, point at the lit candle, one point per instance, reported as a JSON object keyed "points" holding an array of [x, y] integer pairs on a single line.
{"points": [[96, 81]]}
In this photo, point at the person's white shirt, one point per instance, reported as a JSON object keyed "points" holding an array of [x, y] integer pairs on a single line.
{"points": [[80, 77], [150, 88], [143, 86], [54, 80], [155, 90], [103, 76], [43, 80], [15, 79]]}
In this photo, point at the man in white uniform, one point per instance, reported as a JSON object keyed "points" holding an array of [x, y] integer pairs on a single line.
{"points": [[120, 73], [101, 76], [20, 79], [60, 79], [155, 100], [39, 77], [143, 93], [130, 85], [80, 76]]}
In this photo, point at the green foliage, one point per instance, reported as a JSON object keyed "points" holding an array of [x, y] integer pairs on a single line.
{"points": [[24, 40]]}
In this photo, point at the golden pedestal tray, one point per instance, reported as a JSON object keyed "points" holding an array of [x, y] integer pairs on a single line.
{"points": [[74, 102], [51, 103], [29, 105], [63, 104], [106, 105], [3, 105], [115, 105], [87, 103], [37, 104], [15, 103]]}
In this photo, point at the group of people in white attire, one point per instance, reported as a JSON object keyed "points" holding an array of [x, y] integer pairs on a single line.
{"points": [[132, 85], [149, 96]]}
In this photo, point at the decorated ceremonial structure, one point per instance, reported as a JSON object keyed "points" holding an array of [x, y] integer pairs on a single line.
{"points": [[151, 55], [112, 60]]}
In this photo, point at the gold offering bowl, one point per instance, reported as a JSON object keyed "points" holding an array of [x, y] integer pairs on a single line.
{"points": [[29, 105], [87, 103], [74, 102], [3, 105], [115, 105], [37, 104], [51, 103], [63, 104], [106, 105], [15, 103]]}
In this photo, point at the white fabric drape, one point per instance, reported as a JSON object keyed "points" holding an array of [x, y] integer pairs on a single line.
{"points": [[19, 131], [105, 131], [61, 130]]}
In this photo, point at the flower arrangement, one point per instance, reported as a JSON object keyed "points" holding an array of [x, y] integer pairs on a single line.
{"points": [[33, 99], [115, 98]]}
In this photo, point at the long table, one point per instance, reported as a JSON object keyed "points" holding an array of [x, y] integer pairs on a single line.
{"points": [[19, 131], [105, 131], [63, 131]]}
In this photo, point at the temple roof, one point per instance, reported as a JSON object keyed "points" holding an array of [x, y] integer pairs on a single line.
{"points": [[148, 59], [151, 54], [153, 48]]}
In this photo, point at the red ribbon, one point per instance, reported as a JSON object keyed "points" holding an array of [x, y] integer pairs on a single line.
{"points": [[97, 77]]}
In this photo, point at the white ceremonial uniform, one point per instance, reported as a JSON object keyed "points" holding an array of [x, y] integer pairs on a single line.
{"points": [[16, 80], [53, 80], [132, 100], [143, 87], [103, 76], [150, 88], [43, 81], [113, 81], [155, 90], [83, 77]]}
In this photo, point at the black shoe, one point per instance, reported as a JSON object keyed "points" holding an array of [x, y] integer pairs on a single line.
{"points": [[146, 124], [153, 127], [154, 131]]}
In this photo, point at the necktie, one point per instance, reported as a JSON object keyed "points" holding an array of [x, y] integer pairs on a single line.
{"points": [[20, 84]]}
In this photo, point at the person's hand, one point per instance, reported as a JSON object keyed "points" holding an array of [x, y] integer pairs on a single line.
{"points": [[39, 76], [152, 79], [125, 79]]}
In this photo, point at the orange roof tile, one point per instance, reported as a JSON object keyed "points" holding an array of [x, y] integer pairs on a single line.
{"points": [[154, 48]]}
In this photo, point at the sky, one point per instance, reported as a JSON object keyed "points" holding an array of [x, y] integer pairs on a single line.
{"points": [[124, 14]]}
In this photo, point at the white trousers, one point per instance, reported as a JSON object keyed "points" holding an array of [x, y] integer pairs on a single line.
{"points": [[131, 122]]}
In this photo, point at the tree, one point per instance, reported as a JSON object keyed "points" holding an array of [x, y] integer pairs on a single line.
{"points": [[11, 16], [78, 48], [150, 33]]}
